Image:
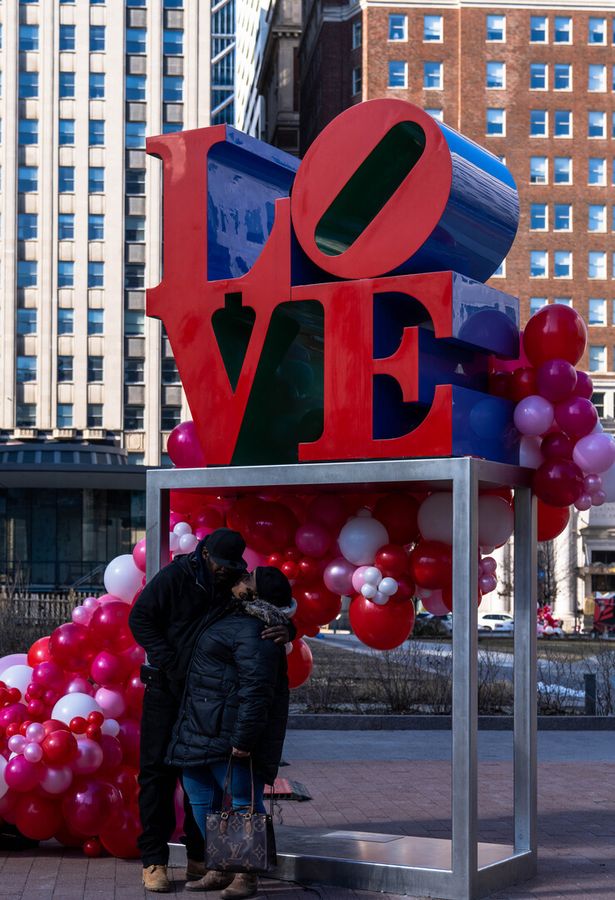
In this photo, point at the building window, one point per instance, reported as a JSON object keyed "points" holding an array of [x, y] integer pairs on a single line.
{"points": [[28, 84], [500, 272], [562, 264], [598, 401], [65, 368], [597, 358], [496, 75], [26, 415], [537, 303], [27, 273], [496, 121], [66, 321], [134, 322], [27, 179], [96, 274], [28, 38], [596, 218], [136, 41], [433, 28], [169, 373], [398, 27], [356, 80], [67, 132], [170, 417], [596, 171], [25, 369], [596, 78], [496, 28], [596, 124], [562, 31], [435, 113], [95, 368], [134, 229], [596, 32], [398, 74], [562, 123], [538, 76], [539, 170], [97, 38], [95, 415], [357, 34], [97, 85], [562, 170], [597, 312], [433, 75], [135, 134], [172, 42], [135, 86], [135, 181], [96, 321], [539, 30], [596, 261], [96, 227], [539, 123], [562, 77], [66, 273], [563, 301], [134, 277], [66, 227], [26, 321], [28, 131], [173, 89], [133, 418], [66, 179], [67, 37], [562, 217], [65, 415], [172, 127], [539, 263], [539, 219], [96, 180], [27, 226], [134, 371], [97, 132], [67, 85]]}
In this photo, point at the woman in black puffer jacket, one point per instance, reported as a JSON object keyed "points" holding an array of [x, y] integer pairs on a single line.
{"points": [[235, 702]]}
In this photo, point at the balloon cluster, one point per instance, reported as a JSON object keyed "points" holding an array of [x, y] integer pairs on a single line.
{"points": [[547, 623], [561, 435]]}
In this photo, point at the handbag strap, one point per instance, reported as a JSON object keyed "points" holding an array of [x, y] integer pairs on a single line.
{"points": [[227, 790]]}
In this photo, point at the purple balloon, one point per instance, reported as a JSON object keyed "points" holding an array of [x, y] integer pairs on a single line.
{"points": [[533, 415], [556, 379], [577, 416], [584, 502], [591, 484], [599, 498], [584, 386], [487, 583], [338, 576], [595, 453]]}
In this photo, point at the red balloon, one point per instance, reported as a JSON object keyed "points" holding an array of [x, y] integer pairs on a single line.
{"points": [[393, 561], [405, 588], [52, 725], [112, 754], [447, 597], [290, 569], [65, 837], [134, 656], [108, 626], [78, 725], [500, 384], [522, 384], [558, 482], [269, 527], [125, 780], [133, 693], [240, 511], [92, 847], [188, 502], [557, 445], [302, 628], [70, 647], [59, 747], [108, 669], [120, 833], [299, 664], [381, 627], [398, 513], [316, 605], [37, 817], [309, 569], [39, 652], [555, 332], [551, 520], [129, 735], [88, 804], [431, 564]]}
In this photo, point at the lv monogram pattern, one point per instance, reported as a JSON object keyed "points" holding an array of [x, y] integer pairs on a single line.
{"points": [[236, 842]]}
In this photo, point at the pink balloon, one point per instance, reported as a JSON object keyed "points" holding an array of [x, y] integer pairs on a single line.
{"points": [[594, 453], [80, 615], [556, 379], [434, 604], [139, 554], [533, 415], [89, 756], [111, 702], [90, 603], [184, 448], [338, 576], [17, 743], [56, 779], [577, 417], [33, 752], [22, 775], [313, 539], [79, 685]]}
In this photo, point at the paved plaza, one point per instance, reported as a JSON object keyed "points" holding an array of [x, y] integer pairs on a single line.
{"points": [[398, 782]]}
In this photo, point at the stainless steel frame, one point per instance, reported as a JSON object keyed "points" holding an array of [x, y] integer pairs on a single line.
{"points": [[461, 869]]}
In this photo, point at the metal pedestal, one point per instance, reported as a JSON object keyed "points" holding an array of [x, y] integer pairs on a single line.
{"points": [[459, 869]]}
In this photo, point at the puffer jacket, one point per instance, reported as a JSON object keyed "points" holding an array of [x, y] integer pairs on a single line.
{"points": [[236, 695]]}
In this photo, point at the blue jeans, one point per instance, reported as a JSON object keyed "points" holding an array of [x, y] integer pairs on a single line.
{"points": [[204, 786]]}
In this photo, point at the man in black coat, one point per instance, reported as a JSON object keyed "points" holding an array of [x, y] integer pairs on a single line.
{"points": [[176, 604]]}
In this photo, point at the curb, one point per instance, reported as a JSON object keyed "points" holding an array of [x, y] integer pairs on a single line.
{"points": [[345, 722]]}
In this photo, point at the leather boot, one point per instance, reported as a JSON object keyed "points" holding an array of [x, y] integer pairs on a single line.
{"points": [[211, 881], [195, 869], [244, 885], [155, 879]]}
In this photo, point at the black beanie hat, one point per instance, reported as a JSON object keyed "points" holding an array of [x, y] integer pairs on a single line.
{"points": [[225, 548], [273, 586]]}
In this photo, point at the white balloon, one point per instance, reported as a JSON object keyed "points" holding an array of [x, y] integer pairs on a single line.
{"points": [[496, 521], [289, 648], [123, 578], [110, 726], [173, 542], [182, 528], [380, 599], [361, 538], [17, 677], [3, 785], [435, 517], [529, 451], [71, 705], [12, 659], [388, 587], [372, 575], [369, 591], [187, 543]]}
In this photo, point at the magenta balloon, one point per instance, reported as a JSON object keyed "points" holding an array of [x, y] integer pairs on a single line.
{"points": [[139, 554], [558, 482], [184, 448], [108, 668], [584, 386], [338, 576], [557, 445], [22, 775], [556, 379], [49, 675], [595, 453], [313, 539], [533, 415], [576, 417], [15, 712]]}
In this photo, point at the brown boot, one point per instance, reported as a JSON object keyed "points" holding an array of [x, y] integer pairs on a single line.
{"points": [[155, 879], [244, 885], [211, 881], [195, 869]]}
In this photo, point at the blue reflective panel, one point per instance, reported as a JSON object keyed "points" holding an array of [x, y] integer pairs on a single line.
{"points": [[96, 227], [27, 226], [28, 131], [28, 84], [66, 273], [67, 37], [66, 226], [97, 85], [66, 131], [96, 274], [66, 179], [67, 85], [135, 87]]}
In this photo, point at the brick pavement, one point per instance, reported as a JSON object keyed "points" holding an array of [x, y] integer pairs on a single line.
{"points": [[576, 829]]}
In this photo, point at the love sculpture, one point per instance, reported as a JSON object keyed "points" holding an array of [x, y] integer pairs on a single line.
{"points": [[335, 308]]}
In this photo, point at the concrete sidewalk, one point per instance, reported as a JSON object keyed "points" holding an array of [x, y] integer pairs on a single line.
{"points": [[397, 783]]}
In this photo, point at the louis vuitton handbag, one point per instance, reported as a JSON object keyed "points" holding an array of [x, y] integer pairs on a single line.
{"points": [[239, 840]]}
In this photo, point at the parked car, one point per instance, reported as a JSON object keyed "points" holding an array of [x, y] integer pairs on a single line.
{"points": [[500, 622], [428, 625]]}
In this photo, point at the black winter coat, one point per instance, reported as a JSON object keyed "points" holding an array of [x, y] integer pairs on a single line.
{"points": [[236, 695]]}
